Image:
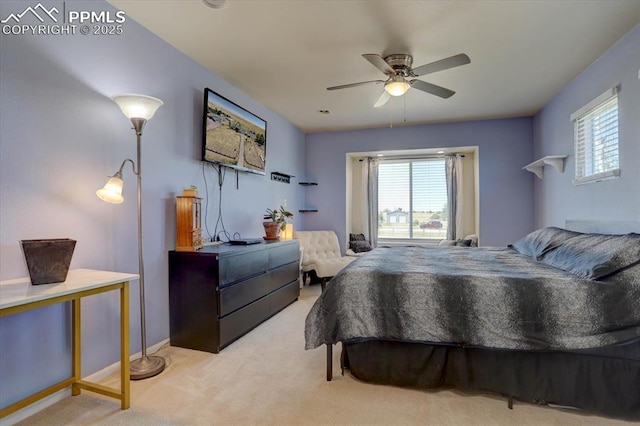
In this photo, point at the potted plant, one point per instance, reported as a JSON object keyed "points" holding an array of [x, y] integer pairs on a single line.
{"points": [[275, 220]]}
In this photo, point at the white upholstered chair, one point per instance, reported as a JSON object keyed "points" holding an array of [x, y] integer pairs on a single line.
{"points": [[321, 253]]}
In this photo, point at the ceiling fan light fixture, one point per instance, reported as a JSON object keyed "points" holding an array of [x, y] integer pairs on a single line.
{"points": [[397, 86], [215, 4]]}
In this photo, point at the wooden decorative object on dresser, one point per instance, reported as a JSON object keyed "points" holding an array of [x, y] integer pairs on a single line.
{"points": [[188, 221], [220, 293]]}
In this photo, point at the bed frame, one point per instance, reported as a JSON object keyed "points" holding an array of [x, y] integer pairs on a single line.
{"points": [[533, 376]]}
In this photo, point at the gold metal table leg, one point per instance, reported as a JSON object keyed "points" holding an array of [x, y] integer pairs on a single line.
{"points": [[124, 346], [76, 357]]}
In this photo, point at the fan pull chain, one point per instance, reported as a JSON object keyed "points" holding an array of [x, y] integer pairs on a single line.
{"points": [[404, 103]]}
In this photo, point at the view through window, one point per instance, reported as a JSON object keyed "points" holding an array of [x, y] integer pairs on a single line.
{"points": [[596, 139], [412, 199]]}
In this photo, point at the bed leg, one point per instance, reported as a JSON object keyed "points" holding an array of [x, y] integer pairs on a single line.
{"points": [[510, 402], [323, 283], [329, 362]]}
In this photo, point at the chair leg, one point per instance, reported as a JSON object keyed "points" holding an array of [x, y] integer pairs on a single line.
{"points": [[329, 362]]}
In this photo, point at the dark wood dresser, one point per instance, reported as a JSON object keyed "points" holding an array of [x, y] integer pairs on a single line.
{"points": [[220, 293]]}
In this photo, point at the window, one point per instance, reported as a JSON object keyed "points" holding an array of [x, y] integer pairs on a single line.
{"points": [[412, 200], [596, 139]]}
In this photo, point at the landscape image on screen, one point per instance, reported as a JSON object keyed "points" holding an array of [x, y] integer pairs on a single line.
{"points": [[233, 136]]}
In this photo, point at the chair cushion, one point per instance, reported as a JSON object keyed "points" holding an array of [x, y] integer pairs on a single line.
{"points": [[321, 252], [330, 267]]}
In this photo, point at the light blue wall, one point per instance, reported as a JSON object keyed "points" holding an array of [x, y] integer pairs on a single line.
{"points": [[506, 192], [556, 199], [61, 136]]}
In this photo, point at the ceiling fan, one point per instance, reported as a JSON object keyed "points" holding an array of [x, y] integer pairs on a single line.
{"points": [[397, 68]]}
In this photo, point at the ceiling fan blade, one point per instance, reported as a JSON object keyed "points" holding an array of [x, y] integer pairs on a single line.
{"points": [[443, 64], [379, 62], [383, 99], [362, 83], [432, 88]]}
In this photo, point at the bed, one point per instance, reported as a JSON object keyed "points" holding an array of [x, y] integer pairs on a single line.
{"points": [[552, 319]]}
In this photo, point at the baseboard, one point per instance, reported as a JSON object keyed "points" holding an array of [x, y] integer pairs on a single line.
{"points": [[115, 367], [36, 407], [98, 376]]}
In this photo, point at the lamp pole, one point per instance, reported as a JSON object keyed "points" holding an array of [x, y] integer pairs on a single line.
{"points": [[146, 366]]}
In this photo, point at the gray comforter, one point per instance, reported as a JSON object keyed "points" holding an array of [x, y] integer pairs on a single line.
{"points": [[483, 297]]}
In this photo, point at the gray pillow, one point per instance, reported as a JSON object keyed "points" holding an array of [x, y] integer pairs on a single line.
{"points": [[462, 243], [360, 246], [539, 242], [595, 255]]}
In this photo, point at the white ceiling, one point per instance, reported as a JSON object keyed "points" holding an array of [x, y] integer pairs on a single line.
{"points": [[285, 53]]}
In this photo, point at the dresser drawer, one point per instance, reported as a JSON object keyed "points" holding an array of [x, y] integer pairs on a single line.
{"points": [[279, 256], [238, 267], [282, 298], [284, 275], [240, 294], [238, 323]]}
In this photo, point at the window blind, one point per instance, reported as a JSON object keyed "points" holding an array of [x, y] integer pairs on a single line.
{"points": [[596, 139], [412, 199]]}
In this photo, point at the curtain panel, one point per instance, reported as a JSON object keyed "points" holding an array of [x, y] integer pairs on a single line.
{"points": [[370, 199], [453, 171]]}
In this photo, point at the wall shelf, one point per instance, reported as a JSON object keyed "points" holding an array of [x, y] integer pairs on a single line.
{"points": [[281, 177], [308, 183], [537, 167]]}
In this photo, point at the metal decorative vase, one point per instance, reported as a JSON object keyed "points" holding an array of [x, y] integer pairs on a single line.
{"points": [[48, 260]]}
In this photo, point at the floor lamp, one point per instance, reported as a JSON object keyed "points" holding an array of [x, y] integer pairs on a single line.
{"points": [[139, 109]]}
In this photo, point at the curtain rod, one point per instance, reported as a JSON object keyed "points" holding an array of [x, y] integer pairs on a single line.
{"points": [[413, 157]]}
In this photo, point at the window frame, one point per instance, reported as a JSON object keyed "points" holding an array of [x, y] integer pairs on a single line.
{"points": [[585, 118]]}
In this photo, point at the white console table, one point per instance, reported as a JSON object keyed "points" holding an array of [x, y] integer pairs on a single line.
{"points": [[19, 295]]}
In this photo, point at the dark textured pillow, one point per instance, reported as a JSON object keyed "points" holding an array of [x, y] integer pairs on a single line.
{"points": [[595, 255], [462, 243], [539, 242], [357, 237], [360, 246]]}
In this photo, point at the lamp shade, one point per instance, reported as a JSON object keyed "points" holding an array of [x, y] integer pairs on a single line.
{"points": [[215, 4], [112, 191], [137, 106], [398, 86]]}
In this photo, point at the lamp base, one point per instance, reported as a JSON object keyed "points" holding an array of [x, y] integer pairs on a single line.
{"points": [[145, 367]]}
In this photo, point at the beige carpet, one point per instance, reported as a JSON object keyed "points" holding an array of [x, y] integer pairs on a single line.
{"points": [[268, 378]]}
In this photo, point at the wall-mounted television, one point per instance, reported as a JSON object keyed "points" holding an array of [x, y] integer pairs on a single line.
{"points": [[232, 136]]}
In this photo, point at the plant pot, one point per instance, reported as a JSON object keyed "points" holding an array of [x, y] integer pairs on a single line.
{"points": [[271, 230], [48, 260]]}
